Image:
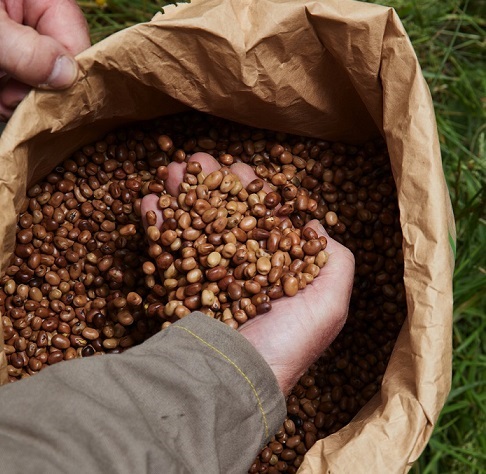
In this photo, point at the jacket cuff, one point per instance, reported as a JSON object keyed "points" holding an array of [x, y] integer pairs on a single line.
{"points": [[250, 371]]}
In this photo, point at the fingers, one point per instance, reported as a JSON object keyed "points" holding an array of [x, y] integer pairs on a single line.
{"points": [[151, 203], [176, 176], [33, 58], [38, 40], [208, 163], [38, 48], [177, 170], [246, 175], [339, 270], [62, 20], [332, 245]]}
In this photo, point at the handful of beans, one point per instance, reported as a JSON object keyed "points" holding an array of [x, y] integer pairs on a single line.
{"points": [[80, 283], [224, 250]]}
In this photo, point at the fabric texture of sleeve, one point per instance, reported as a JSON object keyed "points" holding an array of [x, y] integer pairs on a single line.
{"points": [[194, 398]]}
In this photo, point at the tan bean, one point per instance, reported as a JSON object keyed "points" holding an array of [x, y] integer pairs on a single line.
{"points": [[216, 273], [291, 286], [247, 223], [213, 180], [60, 341], [331, 218], [90, 333]]}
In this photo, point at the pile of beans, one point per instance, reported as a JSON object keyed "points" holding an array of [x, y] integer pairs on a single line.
{"points": [[78, 283], [223, 249]]}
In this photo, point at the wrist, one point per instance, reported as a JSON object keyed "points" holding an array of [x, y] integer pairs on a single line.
{"points": [[283, 370]]}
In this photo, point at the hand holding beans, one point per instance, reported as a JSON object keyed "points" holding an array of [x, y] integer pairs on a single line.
{"points": [[38, 40], [293, 332]]}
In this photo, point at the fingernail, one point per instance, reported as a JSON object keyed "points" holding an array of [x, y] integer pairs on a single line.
{"points": [[63, 74]]}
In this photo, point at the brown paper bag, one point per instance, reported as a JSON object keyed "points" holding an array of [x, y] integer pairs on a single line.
{"points": [[339, 70]]}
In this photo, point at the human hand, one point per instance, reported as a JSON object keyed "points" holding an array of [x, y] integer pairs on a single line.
{"points": [[295, 332], [38, 41]]}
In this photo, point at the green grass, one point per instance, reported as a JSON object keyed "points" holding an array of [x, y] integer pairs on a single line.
{"points": [[106, 17], [449, 37]]}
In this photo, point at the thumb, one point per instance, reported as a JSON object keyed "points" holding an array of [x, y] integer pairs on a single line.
{"points": [[339, 270], [34, 59], [333, 247]]}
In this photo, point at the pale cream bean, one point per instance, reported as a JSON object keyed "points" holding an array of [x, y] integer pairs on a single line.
{"points": [[207, 298], [321, 258], [214, 259], [263, 265], [194, 275]]}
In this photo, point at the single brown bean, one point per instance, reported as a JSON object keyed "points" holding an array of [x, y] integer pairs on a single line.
{"points": [[60, 341], [291, 286]]}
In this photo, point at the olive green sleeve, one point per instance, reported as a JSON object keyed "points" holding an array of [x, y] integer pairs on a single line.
{"points": [[196, 397]]}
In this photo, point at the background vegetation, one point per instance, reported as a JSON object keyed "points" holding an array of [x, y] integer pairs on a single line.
{"points": [[450, 42]]}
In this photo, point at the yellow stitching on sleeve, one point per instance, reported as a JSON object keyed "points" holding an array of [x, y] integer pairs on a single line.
{"points": [[260, 406]]}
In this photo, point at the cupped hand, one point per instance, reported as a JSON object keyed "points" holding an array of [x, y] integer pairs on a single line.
{"points": [[38, 42], [296, 331]]}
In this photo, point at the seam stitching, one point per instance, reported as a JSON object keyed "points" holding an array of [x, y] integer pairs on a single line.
{"points": [[260, 405]]}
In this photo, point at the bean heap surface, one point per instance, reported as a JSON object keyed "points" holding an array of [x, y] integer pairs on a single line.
{"points": [[80, 284]]}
